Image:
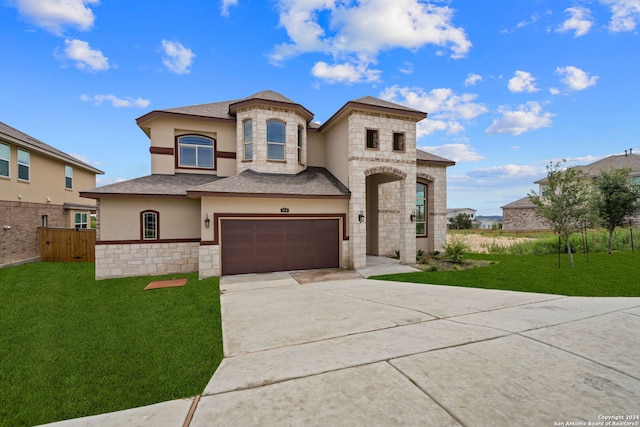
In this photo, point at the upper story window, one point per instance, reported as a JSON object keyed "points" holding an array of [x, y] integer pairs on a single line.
{"points": [[275, 140], [195, 151], [398, 141], [300, 130], [150, 225], [24, 163], [421, 209], [4, 160], [68, 177], [372, 139], [248, 139]]}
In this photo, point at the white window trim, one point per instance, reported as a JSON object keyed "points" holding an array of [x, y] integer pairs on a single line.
{"points": [[8, 160], [28, 165], [283, 143], [70, 176], [196, 146], [248, 142]]}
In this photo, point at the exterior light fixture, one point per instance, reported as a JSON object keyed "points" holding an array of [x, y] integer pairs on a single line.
{"points": [[412, 217], [207, 221], [361, 217]]}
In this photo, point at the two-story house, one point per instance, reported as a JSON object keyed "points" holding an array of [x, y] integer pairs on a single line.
{"points": [[520, 215], [39, 187], [253, 185]]}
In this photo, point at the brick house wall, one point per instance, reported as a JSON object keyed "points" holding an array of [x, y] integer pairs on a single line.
{"points": [[21, 241]]}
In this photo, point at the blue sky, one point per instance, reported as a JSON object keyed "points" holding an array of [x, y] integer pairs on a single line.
{"points": [[509, 85]]}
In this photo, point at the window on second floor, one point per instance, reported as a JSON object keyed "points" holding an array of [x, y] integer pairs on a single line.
{"points": [[248, 139], [398, 141], [24, 163], [150, 225], [68, 177], [372, 139], [300, 130], [195, 151], [275, 140], [4, 160]]}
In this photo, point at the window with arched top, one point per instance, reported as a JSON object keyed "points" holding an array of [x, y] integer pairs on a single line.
{"points": [[275, 140], [196, 151], [149, 225], [421, 209]]}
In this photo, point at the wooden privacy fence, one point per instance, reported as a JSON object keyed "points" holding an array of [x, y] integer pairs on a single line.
{"points": [[67, 245]]}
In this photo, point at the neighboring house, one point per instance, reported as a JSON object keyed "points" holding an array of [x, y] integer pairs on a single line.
{"points": [[39, 187], [487, 223], [521, 214], [253, 185], [454, 212]]}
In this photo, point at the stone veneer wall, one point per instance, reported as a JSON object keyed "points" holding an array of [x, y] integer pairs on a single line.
{"points": [[436, 178], [209, 256], [21, 242], [260, 115], [142, 259], [384, 160], [520, 219], [388, 214]]}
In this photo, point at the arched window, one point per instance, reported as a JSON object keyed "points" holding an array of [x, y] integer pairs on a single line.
{"points": [[150, 225], [248, 139], [421, 209], [195, 151], [275, 140]]}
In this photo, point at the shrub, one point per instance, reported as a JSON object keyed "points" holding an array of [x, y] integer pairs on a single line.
{"points": [[455, 250]]}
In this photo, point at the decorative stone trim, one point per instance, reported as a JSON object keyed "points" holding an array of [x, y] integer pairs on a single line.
{"points": [[386, 170]]}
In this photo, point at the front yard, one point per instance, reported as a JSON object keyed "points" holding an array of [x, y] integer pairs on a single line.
{"points": [[71, 346], [604, 275]]}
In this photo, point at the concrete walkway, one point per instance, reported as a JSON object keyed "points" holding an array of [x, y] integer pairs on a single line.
{"points": [[353, 351]]}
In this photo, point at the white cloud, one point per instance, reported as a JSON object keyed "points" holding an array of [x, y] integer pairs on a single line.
{"points": [[84, 56], [407, 68], [506, 171], [456, 152], [625, 14], [526, 118], [580, 21], [346, 73], [554, 91], [472, 79], [54, 15], [177, 58], [522, 82], [360, 30], [446, 109], [115, 101], [575, 78], [226, 4]]}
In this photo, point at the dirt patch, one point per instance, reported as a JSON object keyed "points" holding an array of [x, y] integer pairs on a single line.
{"points": [[480, 244], [160, 284]]}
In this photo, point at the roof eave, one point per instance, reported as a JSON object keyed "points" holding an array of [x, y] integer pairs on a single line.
{"points": [[198, 194], [352, 105], [235, 106]]}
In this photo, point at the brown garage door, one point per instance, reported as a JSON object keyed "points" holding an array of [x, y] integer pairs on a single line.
{"points": [[258, 246]]}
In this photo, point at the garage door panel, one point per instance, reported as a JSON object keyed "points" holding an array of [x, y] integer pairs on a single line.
{"points": [[255, 246]]}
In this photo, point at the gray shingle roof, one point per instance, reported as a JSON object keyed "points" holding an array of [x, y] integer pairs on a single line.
{"points": [[520, 203], [161, 185], [428, 157], [377, 102], [19, 138], [314, 181], [622, 161]]}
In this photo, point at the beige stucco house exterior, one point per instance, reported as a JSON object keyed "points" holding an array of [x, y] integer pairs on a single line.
{"points": [[253, 185], [520, 215], [39, 187]]}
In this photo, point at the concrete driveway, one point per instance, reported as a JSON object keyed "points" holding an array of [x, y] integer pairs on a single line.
{"points": [[353, 351]]}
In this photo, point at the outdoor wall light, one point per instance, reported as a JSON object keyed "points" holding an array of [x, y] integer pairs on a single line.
{"points": [[361, 216], [412, 217], [207, 221]]}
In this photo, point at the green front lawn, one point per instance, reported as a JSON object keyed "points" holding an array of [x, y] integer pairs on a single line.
{"points": [[615, 275], [71, 346]]}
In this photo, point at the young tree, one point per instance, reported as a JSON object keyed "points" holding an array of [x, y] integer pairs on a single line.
{"points": [[462, 221], [564, 205], [616, 198]]}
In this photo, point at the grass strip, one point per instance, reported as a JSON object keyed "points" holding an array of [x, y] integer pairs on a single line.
{"points": [[615, 275]]}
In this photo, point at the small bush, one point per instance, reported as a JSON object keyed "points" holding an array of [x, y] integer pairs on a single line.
{"points": [[455, 250]]}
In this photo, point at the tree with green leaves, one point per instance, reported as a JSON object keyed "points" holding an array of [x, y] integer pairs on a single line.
{"points": [[564, 204], [616, 198], [462, 221]]}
